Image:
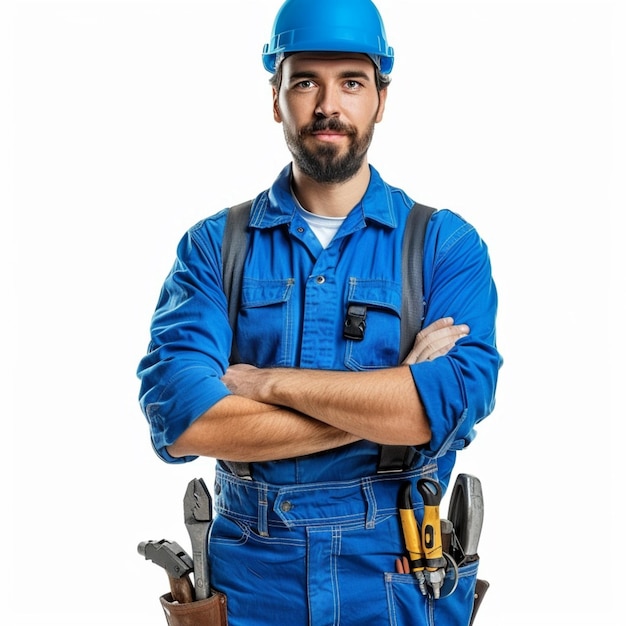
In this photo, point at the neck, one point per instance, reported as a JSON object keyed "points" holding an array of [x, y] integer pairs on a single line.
{"points": [[330, 199]]}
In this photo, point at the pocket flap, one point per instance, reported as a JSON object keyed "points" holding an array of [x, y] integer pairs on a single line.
{"points": [[257, 293], [382, 294]]}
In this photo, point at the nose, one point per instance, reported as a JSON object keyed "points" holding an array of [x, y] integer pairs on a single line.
{"points": [[327, 103]]}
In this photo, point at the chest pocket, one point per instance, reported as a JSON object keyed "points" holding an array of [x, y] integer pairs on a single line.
{"points": [[265, 322], [380, 345]]}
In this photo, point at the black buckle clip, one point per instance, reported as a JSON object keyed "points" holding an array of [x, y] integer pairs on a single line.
{"points": [[354, 324]]}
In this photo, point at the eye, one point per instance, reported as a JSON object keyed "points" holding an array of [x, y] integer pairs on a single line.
{"points": [[353, 85], [304, 84]]}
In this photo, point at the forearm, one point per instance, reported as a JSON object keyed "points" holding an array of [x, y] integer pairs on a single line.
{"points": [[382, 405], [240, 429], [268, 418]]}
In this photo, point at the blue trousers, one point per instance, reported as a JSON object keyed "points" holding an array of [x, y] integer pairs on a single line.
{"points": [[322, 554]]}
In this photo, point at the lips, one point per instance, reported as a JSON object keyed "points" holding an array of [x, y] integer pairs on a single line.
{"points": [[330, 127], [328, 134]]}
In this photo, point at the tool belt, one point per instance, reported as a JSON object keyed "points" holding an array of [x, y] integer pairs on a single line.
{"points": [[441, 553], [187, 604], [208, 612]]}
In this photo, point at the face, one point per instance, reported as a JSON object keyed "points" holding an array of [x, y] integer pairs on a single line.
{"points": [[328, 105]]}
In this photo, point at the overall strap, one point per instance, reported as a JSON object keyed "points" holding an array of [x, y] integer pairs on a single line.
{"points": [[234, 244], [399, 458], [412, 282]]}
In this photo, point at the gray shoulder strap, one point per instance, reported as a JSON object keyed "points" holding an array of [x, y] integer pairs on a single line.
{"points": [[412, 281], [398, 458], [234, 246]]}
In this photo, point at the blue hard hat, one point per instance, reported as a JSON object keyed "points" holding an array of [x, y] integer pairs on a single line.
{"points": [[328, 26]]}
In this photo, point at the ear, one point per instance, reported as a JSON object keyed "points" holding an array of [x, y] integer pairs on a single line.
{"points": [[275, 107], [382, 100]]}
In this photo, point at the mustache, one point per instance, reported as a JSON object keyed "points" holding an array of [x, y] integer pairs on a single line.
{"points": [[324, 124]]}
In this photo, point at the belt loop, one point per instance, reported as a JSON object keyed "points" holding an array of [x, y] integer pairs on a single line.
{"points": [[262, 511], [370, 498]]}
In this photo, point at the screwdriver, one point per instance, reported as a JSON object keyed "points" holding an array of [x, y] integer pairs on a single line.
{"points": [[412, 539], [434, 561]]}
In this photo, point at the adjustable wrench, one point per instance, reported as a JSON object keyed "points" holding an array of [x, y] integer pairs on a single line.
{"points": [[176, 563], [198, 518]]}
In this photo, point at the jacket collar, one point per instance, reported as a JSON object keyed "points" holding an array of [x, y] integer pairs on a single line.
{"points": [[277, 206]]}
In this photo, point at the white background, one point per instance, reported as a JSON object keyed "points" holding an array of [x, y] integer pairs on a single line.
{"points": [[126, 122]]}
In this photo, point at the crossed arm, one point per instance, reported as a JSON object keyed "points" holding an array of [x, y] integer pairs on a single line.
{"points": [[278, 413]]}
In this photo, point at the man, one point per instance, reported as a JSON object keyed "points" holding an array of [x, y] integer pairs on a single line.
{"points": [[309, 532]]}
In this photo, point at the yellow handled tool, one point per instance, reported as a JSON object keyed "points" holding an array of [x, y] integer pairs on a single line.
{"points": [[434, 561], [412, 538]]}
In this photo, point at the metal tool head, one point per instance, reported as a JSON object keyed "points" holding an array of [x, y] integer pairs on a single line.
{"points": [[168, 555], [198, 518], [197, 503]]}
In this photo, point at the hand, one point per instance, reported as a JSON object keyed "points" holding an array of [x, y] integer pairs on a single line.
{"points": [[243, 380], [436, 340]]}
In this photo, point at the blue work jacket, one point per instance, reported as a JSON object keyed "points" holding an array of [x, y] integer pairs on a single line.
{"points": [[294, 299]]}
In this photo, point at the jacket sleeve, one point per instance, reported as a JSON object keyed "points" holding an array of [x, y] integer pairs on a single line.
{"points": [[190, 339], [458, 389]]}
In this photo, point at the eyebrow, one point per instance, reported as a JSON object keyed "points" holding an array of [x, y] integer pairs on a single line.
{"points": [[303, 74]]}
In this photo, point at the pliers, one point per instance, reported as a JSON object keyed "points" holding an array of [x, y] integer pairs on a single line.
{"points": [[425, 548], [198, 518]]}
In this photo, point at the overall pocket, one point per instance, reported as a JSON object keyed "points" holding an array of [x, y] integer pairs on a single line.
{"points": [[265, 325], [407, 605], [379, 346]]}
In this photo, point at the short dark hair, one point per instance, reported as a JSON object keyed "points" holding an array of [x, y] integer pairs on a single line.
{"points": [[382, 80]]}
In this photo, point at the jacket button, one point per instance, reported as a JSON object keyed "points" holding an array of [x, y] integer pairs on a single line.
{"points": [[286, 506], [320, 280]]}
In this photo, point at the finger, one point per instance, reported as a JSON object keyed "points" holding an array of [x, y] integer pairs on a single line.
{"points": [[443, 333], [442, 330], [432, 351], [444, 322], [441, 342], [436, 344], [441, 337]]}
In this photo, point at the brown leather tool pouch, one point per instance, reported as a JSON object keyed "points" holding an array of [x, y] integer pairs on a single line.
{"points": [[208, 612]]}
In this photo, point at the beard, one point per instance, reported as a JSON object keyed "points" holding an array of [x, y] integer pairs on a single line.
{"points": [[324, 164]]}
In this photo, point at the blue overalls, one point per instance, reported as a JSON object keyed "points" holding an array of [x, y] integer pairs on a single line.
{"points": [[322, 554], [313, 540]]}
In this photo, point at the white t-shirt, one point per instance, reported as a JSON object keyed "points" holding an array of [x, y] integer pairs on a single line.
{"points": [[324, 227]]}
